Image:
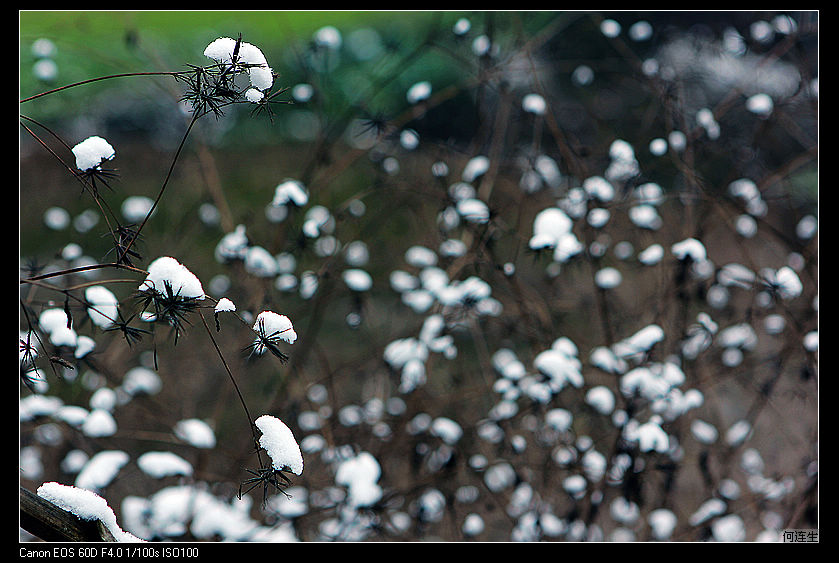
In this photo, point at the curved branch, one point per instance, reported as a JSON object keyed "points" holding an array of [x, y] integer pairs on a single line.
{"points": [[123, 75]]}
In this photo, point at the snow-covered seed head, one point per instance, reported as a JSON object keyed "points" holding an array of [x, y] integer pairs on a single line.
{"points": [[91, 152], [271, 328], [278, 441]]}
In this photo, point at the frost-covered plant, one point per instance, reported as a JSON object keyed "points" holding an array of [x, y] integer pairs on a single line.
{"points": [[526, 311], [170, 294]]}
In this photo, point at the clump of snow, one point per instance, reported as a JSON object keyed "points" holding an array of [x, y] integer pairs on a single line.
{"points": [[57, 325], [446, 429], [473, 524], [232, 245], [99, 423], [273, 325], [662, 522], [260, 263], [35, 406], [168, 271], [704, 432], [610, 28], [102, 305], [552, 229], [91, 152], [473, 210], [639, 343], [624, 510], [290, 192], [708, 509], [195, 432], [559, 419], [461, 26], [476, 167], [652, 381], [101, 469], [689, 248], [56, 218], [174, 511], [408, 355], [328, 36], [607, 360], [760, 104], [598, 187], [601, 399], [141, 380], [785, 281], [136, 208], [729, 528], [360, 475], [420, 256], [645, 216], [357, 279], [549, 226], [534, 103], [162, 464], [622, 166], [418, 92], [651, 255], [280, 444], [560, 365], [508, 365], [738, 432], [574, 485], [318, 221], [224, 305], [253, 95], [746, 190], [221, 50], [650, 436], [608, 278]]}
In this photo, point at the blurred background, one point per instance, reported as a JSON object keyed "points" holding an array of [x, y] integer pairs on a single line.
{"points": [[383, 165]]}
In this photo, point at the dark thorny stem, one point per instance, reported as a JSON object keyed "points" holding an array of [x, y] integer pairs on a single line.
{"points": [[128, 246], [235, 386]]}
